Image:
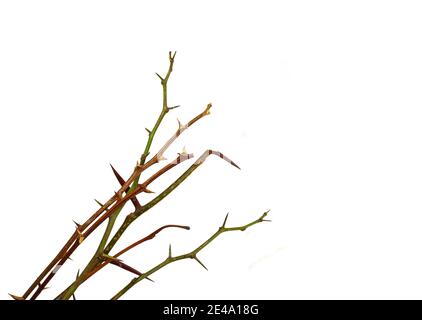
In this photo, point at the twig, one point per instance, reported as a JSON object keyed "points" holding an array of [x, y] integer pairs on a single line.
{"points": [[191, 255]]}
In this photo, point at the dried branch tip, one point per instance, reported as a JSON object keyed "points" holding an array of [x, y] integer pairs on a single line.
{"points": [[208, 108], [183, 153]]}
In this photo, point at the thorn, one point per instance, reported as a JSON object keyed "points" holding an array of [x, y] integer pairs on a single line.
{"points": [[111, 258], [99, 203], [199, 261], [80, 235], [161, 78], [118, 195], [77, 274], [69, 258], [266, 220], [77, 225], [124, 266], [16, 297], [225, 220], [122, 182], [40, 286], [181, 126], [117, 175], [45, 287], [169, 251], [234, 164], [174, 107], [73, 296], [149, 131], [149, 279], [148, 191]]}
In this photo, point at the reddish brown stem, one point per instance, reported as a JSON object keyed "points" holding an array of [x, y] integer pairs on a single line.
{"points": [[136, 173], [107, 261]]}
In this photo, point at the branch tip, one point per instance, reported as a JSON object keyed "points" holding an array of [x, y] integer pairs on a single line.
{"points": [[208, 108], [261, 218], [171, 57]]}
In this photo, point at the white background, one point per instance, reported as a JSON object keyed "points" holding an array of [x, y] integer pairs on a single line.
{"points": [[318, 101]]}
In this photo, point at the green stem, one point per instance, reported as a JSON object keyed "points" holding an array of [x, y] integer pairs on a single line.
{"points": [[165, 109], [97, 257], [112, 219], [190, 255]]}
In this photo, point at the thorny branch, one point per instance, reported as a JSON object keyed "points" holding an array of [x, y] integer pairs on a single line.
{"points": [[191, 255], [128, 191]]}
